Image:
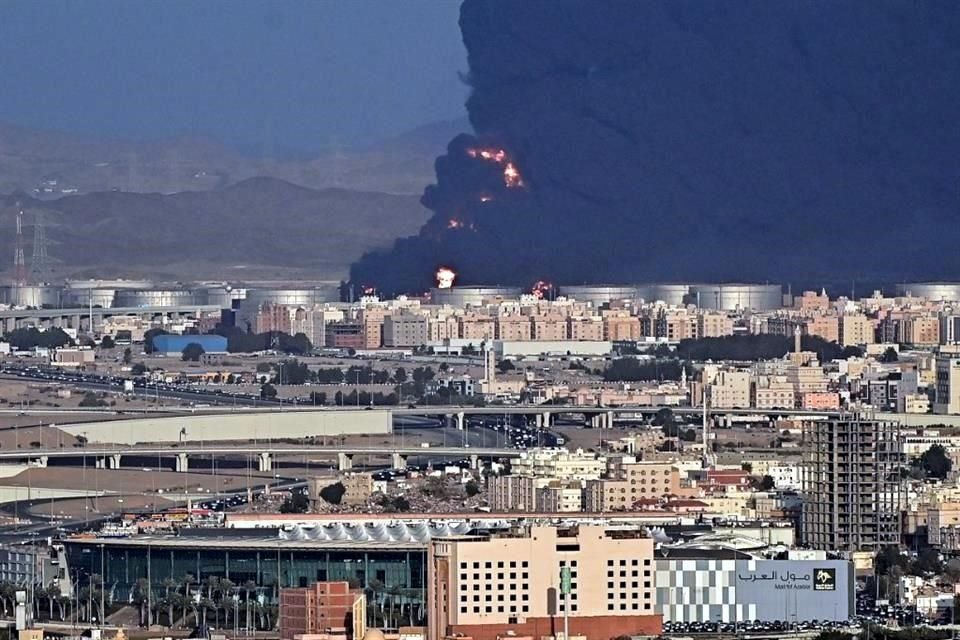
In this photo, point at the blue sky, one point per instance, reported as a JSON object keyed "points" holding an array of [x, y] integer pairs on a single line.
{"points": [[307, 74]]}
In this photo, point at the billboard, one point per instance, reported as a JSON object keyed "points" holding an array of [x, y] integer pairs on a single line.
{"points": [[794, 590]]}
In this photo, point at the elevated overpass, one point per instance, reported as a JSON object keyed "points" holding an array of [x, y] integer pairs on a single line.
{"points": [[75, 318], [111, 457]]}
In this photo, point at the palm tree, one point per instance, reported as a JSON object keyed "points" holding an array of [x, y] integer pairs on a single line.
{"points": [[140, 597], [7, 594], [248, 586]]}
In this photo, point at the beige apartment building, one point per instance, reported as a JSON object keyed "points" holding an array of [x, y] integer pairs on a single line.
{"points": [[487, 588], [630, 483], [856, 329], [585, 328], [621, 327], [558, 464], [513, 327], [923, 331], [730, 390], [512, 493], [775, 396], [477, 327], [681, 325], [560, 497], [711, 324], [826, 327], [549, 328], [404, 330]]}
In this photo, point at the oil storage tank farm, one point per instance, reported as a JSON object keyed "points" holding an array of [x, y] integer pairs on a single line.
{"points": [[252, 299], [160, 298], [671, 293], [599, 294], [473, 295], [98, 293], [933, 291], [736, 296]]}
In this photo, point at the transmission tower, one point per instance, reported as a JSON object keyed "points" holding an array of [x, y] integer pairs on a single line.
{"points": [[19, 262], [39, 260]]}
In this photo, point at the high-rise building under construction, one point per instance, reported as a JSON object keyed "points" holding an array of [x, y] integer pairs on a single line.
{"points": [[852, 492]]}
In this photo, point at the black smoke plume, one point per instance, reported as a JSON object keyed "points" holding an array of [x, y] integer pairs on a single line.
{"points": [[698, 140]]}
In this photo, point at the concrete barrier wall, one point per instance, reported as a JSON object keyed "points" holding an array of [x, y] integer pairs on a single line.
{"points": [[238, 426]]}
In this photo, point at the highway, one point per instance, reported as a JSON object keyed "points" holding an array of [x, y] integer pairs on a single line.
{"points": [[198, 449]]}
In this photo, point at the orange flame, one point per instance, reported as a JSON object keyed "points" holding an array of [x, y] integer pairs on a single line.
{"points": [[453, 223], [511, 175], [445, 277]]}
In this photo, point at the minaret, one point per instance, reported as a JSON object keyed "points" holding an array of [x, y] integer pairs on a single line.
{"points": [[796, 339], [683, 377]]}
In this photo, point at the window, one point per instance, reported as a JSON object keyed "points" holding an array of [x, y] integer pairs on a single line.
{"points": [[623, 574], [499, 565], [463, 609], [476, 565], [524, 565], [525, 609], [623, 606], [623, 563], [633, 562], [610, 607], [513, 564], [463, 565], [646, 574], [476, 609], [499, 576], [463, 577], [623, 585], [488, 565], [609, 574], [513, 576], [488, 609], [609, 585], [463, 598], [646, 584], [609, 563], [646, 605], [634, 585], [476, 576], [646, 563]]}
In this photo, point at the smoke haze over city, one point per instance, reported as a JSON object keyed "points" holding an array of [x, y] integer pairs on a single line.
{"points": [[691, 140]]}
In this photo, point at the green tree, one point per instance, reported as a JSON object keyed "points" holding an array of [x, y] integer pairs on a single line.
{"points": [[746, 466], [400, 375], [890, 355], [333, 493], [935, 462], [296, 503], [148, 339], [766, 484], [505, 365], [107, 343], [138, 369], [268, 391], [127, 355], [91, 399], [471, 488], [192, 352]]}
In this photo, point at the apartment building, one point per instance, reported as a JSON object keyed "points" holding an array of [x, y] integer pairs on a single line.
{"points": [[558, 464], [585, 328], [323, 607], [628, 483], [711, 324], [488, 588], [947, 389], [405, 330], [549, 328], [851, 484], [513, 327], [826, 327], [621, 328], [730, 390], [856, 329]]}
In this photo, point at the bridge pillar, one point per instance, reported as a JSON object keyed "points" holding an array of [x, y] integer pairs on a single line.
{"points": [[265, 461], [546, 420], [114, 461], [594, 421], [399, 461], [608, 420], [41, 462], [344, 461], [183, 462], [474, 461], [461, 420], [539, 420], [100, 463]]}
